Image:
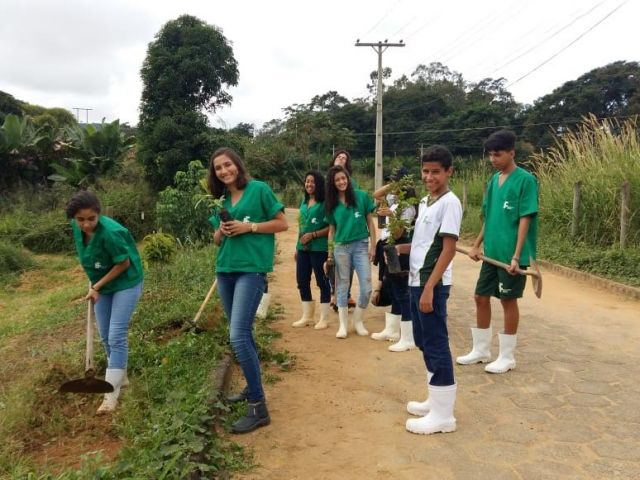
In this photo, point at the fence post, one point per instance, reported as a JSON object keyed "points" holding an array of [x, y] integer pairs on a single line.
{"points": [[625, 200], [464, 197], [576, 209]]}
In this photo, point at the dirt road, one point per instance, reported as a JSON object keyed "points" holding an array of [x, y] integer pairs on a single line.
{"points": [[570, 410]]}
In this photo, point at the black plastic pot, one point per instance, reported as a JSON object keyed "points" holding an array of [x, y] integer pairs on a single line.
{"points": [[393, 259]]}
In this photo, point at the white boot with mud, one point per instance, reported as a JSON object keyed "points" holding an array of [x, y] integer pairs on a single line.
{"points": [[308, 311], [440, 418], [481, 351], [324, 316], [357, 322], [406, 338], [343, 318], [391, 330], [421, 408], [263, 308], [505, 360], [114, 376]]}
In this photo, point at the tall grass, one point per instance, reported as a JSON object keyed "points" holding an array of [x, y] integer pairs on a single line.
{"points": [[601, 155]]}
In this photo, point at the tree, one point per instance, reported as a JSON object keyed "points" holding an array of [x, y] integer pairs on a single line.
{"points": [[187, 70], [612, 90]]}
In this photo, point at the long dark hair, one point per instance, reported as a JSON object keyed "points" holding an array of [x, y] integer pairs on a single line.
{"points": [[332, 197], [216, 187], [319, 181], [346, 165]]}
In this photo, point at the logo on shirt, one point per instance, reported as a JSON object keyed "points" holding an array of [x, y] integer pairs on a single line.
{"points": [[506, 206], [246, 219], [98, 266], [314, 220], [501, 288], [357, 214]]}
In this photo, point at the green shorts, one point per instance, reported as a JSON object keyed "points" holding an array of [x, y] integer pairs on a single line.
{"points": [[497, 282]]}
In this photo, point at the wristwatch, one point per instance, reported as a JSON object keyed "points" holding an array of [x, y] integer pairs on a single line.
{"points": [[254, 228]]}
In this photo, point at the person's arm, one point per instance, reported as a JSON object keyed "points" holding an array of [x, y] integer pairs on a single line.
{"points": [[217, 236], [403, 248], [332, 232], [445, 258], [475, 252], [372, 237], [115, 272], [523, 229], [307, 237], [381, 193], [275, 225]]}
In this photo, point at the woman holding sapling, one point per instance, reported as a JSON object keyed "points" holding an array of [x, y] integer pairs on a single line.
{"points": [[244, 230], [398, 207]]}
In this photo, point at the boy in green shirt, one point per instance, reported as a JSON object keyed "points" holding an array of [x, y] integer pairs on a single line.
{"points": [[510, 209]]}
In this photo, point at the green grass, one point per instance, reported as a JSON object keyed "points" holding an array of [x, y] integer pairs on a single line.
{"points": [[164, 423]]}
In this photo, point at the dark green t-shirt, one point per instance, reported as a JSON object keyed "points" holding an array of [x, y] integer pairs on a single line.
{"points": [[249, 252], [503, 206], [311, 219], [350, 221], [111, 243]]}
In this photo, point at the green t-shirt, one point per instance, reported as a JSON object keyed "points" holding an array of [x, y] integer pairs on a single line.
{"points": [[350, 221], [502, 207], [111, 243], [311, 220], [249, 252]]}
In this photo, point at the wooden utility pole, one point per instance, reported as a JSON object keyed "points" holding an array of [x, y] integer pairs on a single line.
{"points": [[379, 47]]}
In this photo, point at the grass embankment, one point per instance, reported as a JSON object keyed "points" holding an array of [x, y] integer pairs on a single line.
{"points": [[164, 419], [601, 161]]}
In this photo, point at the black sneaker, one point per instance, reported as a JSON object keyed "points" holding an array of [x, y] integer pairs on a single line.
{"points": [[257, 416], [238, 397]]}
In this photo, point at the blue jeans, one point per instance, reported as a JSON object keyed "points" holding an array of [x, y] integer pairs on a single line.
{"points": [[113, 313], [241, 294], [305, 263], [431, 335], [347, 256]]}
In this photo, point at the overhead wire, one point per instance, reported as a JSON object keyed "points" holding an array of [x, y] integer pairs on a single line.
{"points": [[568, 45]]}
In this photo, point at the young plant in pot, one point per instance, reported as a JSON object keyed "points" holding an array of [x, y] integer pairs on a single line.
{"points": [[399, 227]]}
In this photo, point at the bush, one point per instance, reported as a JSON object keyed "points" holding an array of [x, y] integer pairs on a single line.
{"points": [[159, 248], [132, 204], [180, 209], [13, 259]]}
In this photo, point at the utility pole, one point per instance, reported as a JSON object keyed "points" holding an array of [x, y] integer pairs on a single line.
{"points": [[379, 48], [77, 109]]}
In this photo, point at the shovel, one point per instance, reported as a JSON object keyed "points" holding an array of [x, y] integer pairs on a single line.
{"points": [[536, 275], [88, 384], [194, 323]]}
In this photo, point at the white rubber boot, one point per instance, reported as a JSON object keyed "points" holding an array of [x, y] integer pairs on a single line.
{"points": [[481, 351], [125, 380], [440, 417], [114, 376], [406, 338], [324, 317], [308, 311], [391, 330], [343, 318], [357, 322], [263, 308], [421, 408], [505, 360]]}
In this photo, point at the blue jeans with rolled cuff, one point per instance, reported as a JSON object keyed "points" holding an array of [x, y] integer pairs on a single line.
{"points": [[113, 314], [347, 256], [431, 336], [240, 294]]}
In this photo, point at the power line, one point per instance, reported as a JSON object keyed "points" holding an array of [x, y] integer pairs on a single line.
{"points": [[489, 127], [539, 44], [382, 18], [569, 45]]}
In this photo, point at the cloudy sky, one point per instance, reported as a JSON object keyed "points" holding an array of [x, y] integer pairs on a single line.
{"points": [[77, 53]]}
